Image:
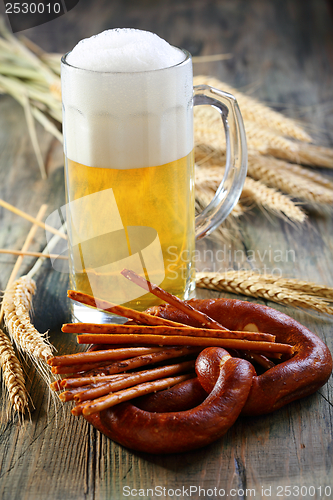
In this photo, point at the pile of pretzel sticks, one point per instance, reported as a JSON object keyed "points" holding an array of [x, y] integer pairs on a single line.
{"points": [[110, 373]]}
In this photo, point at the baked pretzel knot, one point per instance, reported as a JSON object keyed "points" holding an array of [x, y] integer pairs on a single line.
{"points": [[303, 374], [200, 410], [179, 431]]}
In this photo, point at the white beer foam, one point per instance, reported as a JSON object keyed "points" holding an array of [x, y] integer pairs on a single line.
{"points": [[129, 118], [124, 50]]}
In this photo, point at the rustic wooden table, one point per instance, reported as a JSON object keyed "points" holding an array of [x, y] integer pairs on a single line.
{"points": [[282, 53]]}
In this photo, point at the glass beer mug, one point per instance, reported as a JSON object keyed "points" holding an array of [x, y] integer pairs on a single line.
{"points": [[129, 169]]}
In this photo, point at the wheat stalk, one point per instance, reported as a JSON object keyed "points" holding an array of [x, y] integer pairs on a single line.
{"points": [[233, 283], [27, 77], [35, 221], [207, 155], [33, 254], [279, 164], [25, 247], [301, 286], [17, 302], [305, 173], [12, 374], [264, 140], [277, 174], [208, 179], [207, 130], [15, 307], [272, 200], [307, 154], [271, 172], [255, 111]]}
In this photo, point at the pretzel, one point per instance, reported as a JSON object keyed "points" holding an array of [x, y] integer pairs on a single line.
{"points": [[294, 378], [200, 410], [187, 430]]}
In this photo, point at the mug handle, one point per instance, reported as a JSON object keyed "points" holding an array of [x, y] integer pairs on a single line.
{"points": [[232, 183]]}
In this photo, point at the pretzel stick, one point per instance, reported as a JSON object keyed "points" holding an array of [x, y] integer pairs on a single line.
{"points": [[105, 402], [67, 383], [77, 410], [164, 330], [55, 386], [136, 378], [88, 367], [79, 368], [69, 395], [139, 317], [204, 320], [147, 359], [143, 317], [174, 340], [179, 304], [35, 221], [96, 356]]}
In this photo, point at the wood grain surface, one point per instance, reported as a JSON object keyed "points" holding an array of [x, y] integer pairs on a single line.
{"points": [[282, 54]]}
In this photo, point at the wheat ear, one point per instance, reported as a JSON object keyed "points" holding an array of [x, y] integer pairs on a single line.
{"points": [[12, 375], [307, 287], [16, 304], [279, 164], [209, 177], [254, 111], [307, 173], [207, 130], [277, 203], [306, 154], [231, 282], [279, 176], [263, 139]]}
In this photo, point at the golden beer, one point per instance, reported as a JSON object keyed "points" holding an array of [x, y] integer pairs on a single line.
{"points": [[159, 197], [128, 143]]}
